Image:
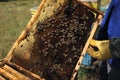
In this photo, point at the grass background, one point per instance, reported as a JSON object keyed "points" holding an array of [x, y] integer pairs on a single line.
{"points": [[14, 16]]}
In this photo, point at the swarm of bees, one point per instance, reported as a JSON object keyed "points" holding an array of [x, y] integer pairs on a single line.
{"points": [[59, 40]]}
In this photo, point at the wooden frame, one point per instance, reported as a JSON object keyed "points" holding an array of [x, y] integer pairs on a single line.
{"points": [[29, 27]]}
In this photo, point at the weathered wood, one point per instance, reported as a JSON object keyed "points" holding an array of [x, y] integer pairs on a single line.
{"points": [[15, 73], [2, 78], [22, 70], [7, 74]]}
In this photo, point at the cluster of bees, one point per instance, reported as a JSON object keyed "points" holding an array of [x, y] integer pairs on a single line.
{"points": [[59, 40]]}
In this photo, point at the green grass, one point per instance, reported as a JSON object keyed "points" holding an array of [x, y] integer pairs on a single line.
{"points": [[14, 16]]}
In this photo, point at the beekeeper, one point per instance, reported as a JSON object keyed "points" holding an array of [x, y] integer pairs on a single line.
{"points": [[108, 42]]}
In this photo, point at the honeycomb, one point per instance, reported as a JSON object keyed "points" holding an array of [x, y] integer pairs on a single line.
{"points": [[58, 42]]}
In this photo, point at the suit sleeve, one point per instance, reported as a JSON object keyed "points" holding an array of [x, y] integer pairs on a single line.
{"points": [[115, 47]]}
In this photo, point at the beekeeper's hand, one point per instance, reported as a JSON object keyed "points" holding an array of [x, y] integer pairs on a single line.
{"points": [[99, 49]]}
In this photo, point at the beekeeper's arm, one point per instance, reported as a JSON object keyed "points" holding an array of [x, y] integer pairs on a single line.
{"points": [[104, 49], [115, 47]]}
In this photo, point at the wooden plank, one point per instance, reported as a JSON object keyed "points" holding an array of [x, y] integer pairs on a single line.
{"points": [[7, 74], [24, 70], [15, 73], [2, 78]]}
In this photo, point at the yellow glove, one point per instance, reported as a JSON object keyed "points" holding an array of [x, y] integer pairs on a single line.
{"points": [[102, 51]]}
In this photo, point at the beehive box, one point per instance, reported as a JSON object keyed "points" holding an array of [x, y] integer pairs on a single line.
{"points": [[54, 40]]}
